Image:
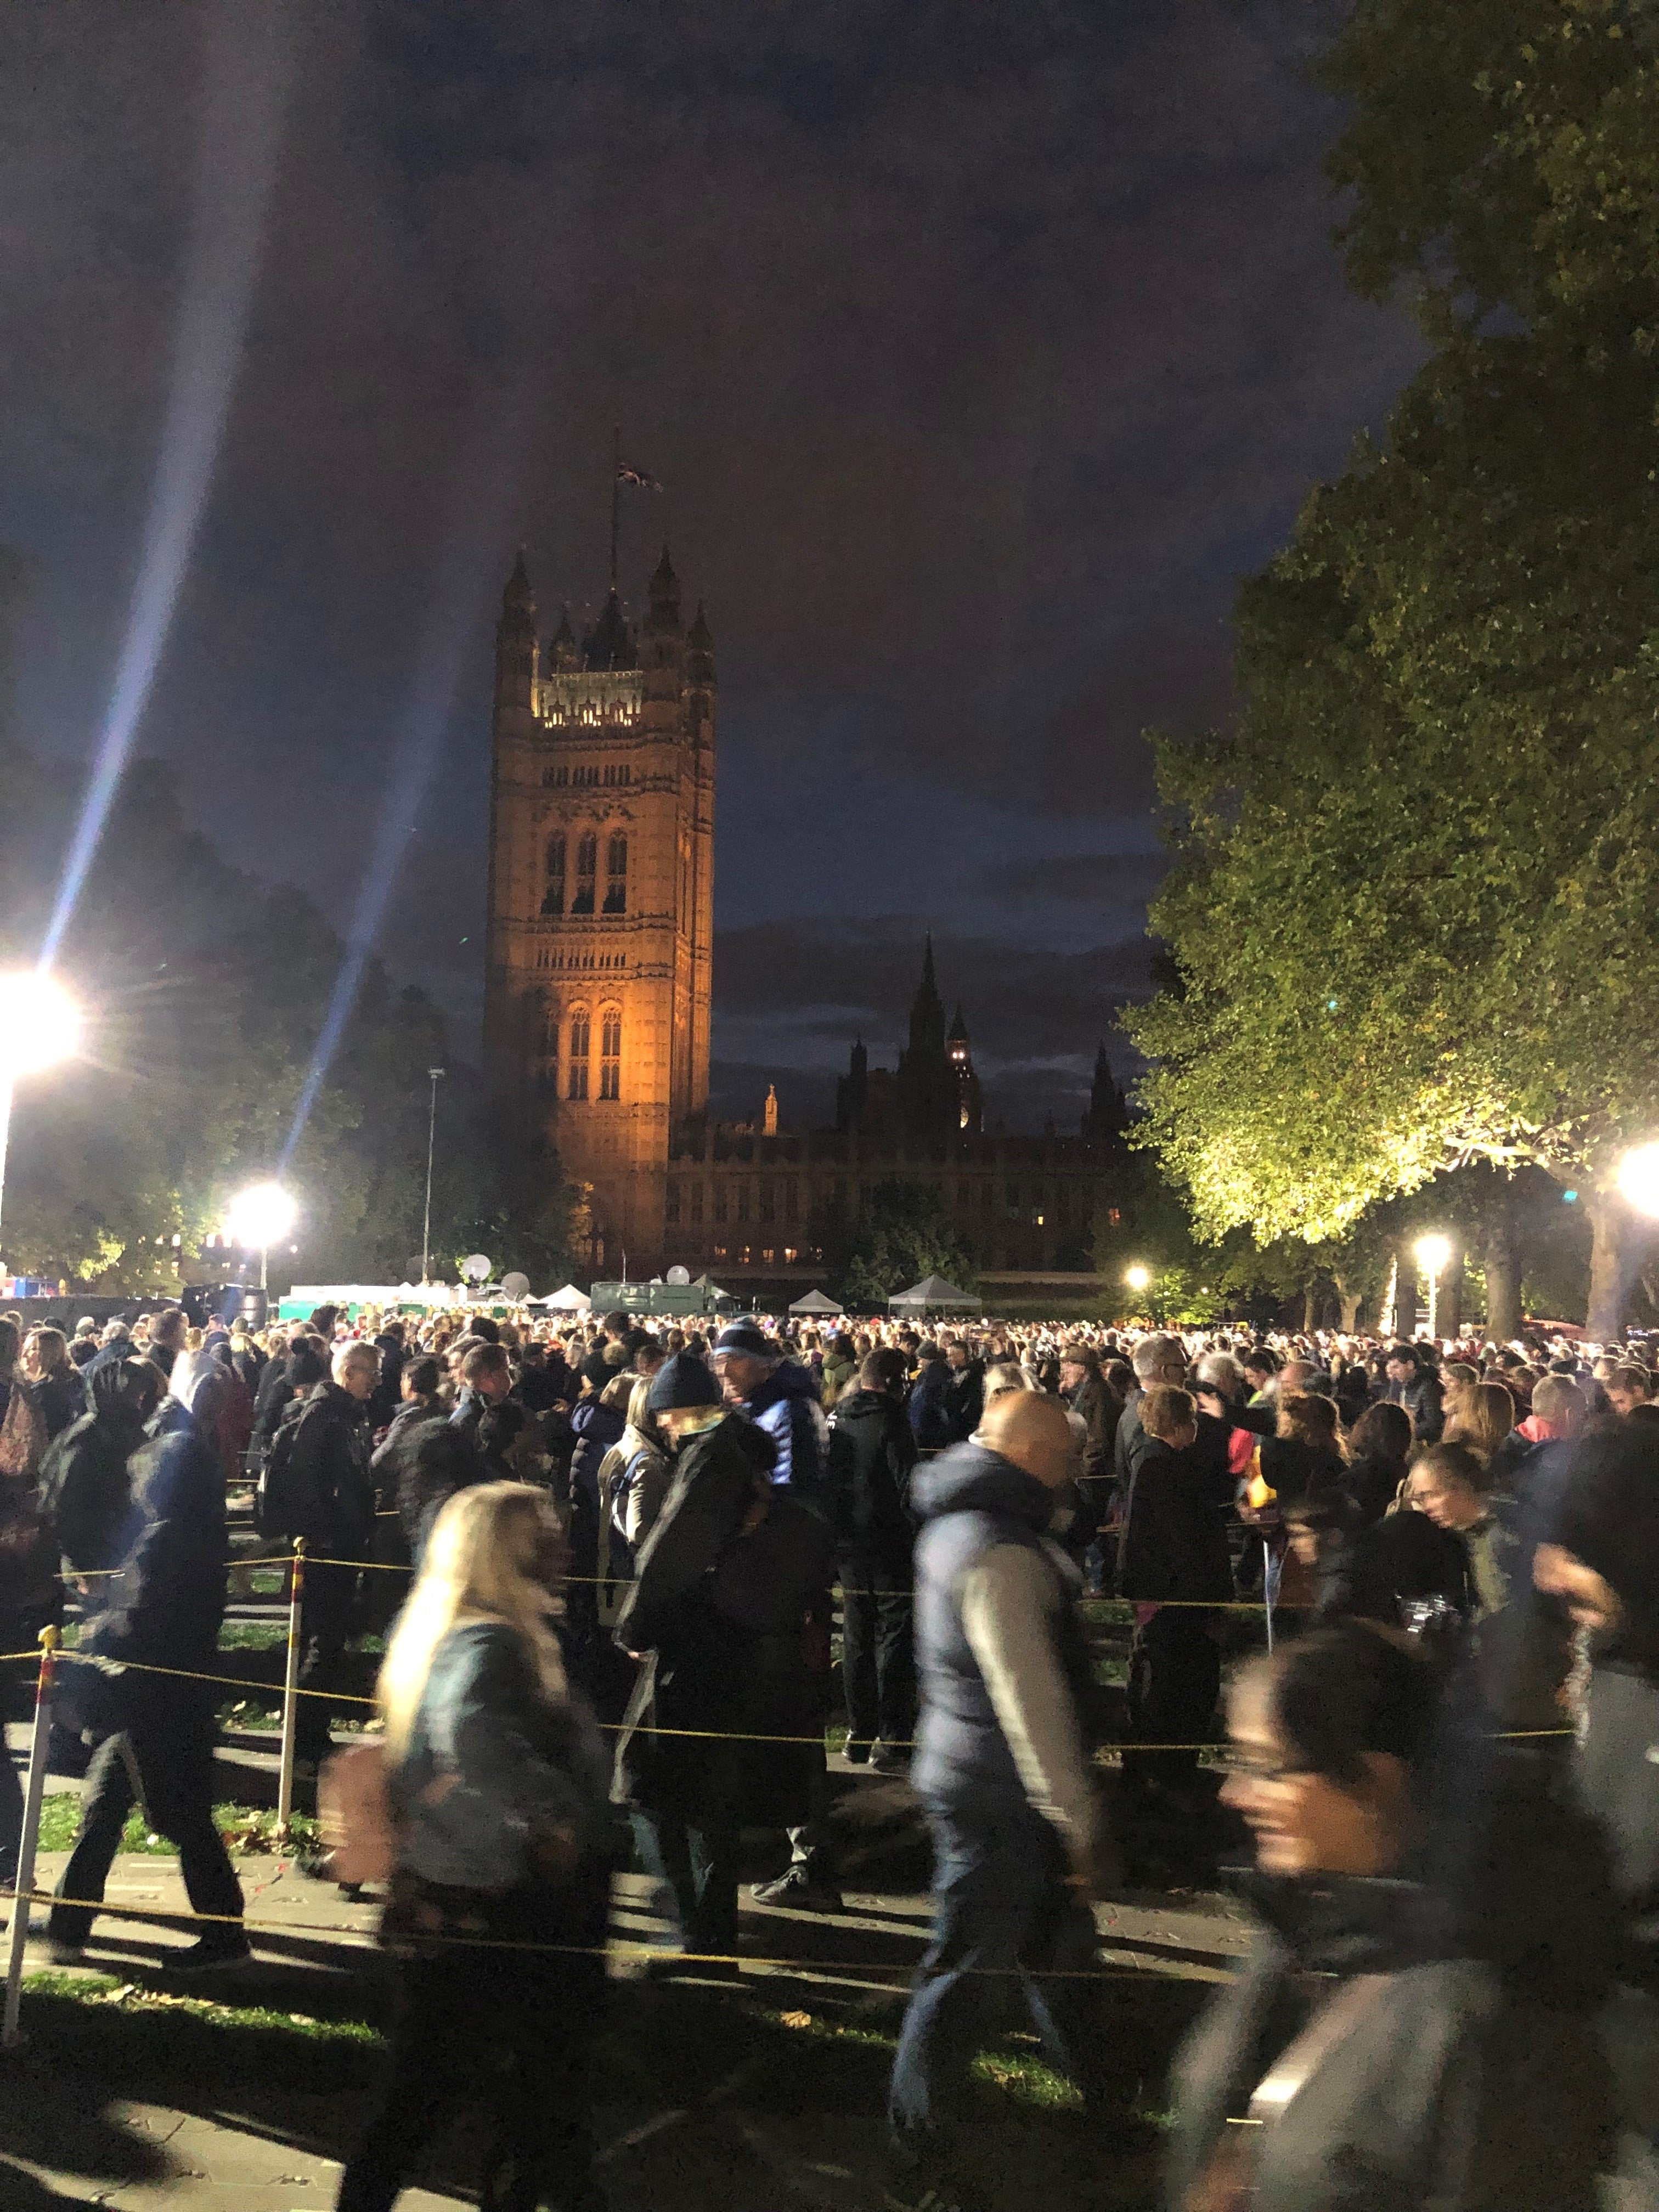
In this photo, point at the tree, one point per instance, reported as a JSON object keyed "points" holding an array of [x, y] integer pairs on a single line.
{"points": [[206, 994], [902, 1235], [1415, 907]]}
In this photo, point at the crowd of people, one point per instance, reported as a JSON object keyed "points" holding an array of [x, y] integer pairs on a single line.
{"points": [[610, 1559]]}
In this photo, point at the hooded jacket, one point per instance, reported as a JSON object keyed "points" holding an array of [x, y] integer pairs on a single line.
{"points": [[722, 1609], [1005, 1679], [330, 1474], [873, 1456]]}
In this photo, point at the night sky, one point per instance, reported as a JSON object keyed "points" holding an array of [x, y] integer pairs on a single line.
{"points": [[980, 345]]}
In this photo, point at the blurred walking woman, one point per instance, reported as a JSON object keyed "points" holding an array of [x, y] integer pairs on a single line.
{"points": [[498, 1783], [1370, 2055]]}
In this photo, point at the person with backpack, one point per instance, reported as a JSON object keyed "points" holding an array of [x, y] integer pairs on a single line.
{"points": [[496, 1788], [137, 1679], [873, 1456], [329, 1501]]}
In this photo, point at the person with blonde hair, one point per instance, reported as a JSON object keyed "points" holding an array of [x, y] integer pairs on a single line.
{"points": [[1483, 1419], [496, 1777]]}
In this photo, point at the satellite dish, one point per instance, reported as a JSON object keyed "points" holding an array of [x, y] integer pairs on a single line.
{"points": [[679, 1277], [515, 1285], [475, 1268]]}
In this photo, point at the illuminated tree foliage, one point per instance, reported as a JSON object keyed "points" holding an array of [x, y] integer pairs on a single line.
{"points": [[1414, 915]]}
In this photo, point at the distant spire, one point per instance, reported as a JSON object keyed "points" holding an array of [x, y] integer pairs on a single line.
{"points": [[958, 1027], [701, 636], [927, 982], [517, 596]]}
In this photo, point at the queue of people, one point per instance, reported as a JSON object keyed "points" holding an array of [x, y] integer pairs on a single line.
{"points": [[606, 1526]]}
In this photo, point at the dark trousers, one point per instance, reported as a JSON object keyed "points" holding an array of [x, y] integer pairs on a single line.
{"points": [[11, 1813], [691, 1850], [325, 1630], [877, 1664], [1175, 1680], [1003, 1913], [506, 2031], [162, 1760]]}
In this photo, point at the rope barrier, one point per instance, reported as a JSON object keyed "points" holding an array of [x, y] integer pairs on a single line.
{"points": [[624, 1945]]}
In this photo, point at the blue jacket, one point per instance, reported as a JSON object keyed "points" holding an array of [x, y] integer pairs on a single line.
{"points": [[489, 1763], [787, 1407], [971, 1500]]}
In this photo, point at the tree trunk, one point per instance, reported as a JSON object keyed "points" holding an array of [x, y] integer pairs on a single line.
{"points": [[1350, 1302], [1405, 1311], [1309, 1306], [1502, 1272], [1618, 1242], [1450, 1314]]}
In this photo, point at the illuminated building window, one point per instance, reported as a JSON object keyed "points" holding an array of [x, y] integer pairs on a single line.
{"points": [[743, 1257], [615, 875], [790, 1255], [578, 1049], [587, 858], [553, 896], [719, 1251], [768, 1253], [610, 1053]]}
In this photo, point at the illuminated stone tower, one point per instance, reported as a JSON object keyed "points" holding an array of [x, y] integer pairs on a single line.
{"points": [[601, 921]]}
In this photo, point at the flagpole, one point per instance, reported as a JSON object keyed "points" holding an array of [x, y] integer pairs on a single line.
{"points": [[615, 495]]}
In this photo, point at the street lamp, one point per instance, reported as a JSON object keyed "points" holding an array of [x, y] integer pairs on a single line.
{"points": [[436, 1074], [1638, 1177], [39, 1024], [1432, 1253], [262, 1216], [1138, 1279]]}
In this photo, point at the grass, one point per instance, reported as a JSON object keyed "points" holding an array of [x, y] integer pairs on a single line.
{"points": [[245, 1828]]}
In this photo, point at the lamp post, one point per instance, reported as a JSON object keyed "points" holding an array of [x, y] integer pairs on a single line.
{"points": [[1433, 1252], [39, 1023], [436, 1074], [262, 1216]]}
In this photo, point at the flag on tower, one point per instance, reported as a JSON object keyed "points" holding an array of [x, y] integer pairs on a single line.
{"points": [[628, 474]]}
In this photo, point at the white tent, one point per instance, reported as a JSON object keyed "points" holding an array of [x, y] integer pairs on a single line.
{"points": [[934, 1295], [569, 1300], [816, 1303]]}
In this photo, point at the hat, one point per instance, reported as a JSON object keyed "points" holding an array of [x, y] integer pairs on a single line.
{"points": [[743, 1336], [682, 1382], [86, 1326]]}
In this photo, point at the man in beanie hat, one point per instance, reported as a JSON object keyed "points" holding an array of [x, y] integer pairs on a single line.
{"points": [[780, 1397], [725, 1722], [1603, 1564]]}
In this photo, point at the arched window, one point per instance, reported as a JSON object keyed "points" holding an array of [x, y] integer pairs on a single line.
{"points": [[587, 857], [579, 1035], [610, 1053], [615, 875], [553, 896]]}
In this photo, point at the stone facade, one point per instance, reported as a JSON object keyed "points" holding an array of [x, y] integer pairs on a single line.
{"points": [[601, 905], [599, 963]]}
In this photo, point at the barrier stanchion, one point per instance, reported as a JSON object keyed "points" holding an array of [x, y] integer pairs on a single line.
{"points": [[39, 1748], [291, 1693], [1267, 1586]]}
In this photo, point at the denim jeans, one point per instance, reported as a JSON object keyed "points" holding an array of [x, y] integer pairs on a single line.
{"points": [[1003, 1914], [879, 1673]]}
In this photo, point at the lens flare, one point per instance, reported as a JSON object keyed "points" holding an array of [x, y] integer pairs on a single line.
{"points": [[39, 1023], [236, 163]]}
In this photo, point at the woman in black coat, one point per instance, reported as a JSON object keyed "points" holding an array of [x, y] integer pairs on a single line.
{"points": [[726, 1614], [1392, 2049]]}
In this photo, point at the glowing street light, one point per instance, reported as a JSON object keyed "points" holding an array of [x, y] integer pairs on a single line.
{"points": [[1433, 1252], [39, 1025], [1638, 1177], [262, 1216], [1138, 1279]]}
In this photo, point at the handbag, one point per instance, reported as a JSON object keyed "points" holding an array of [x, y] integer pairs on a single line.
{"points": [[354, 1813]]}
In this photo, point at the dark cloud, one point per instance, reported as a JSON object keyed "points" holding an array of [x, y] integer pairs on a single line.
{"points": [[1081, 879], [980, 350], [791, 997]]}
